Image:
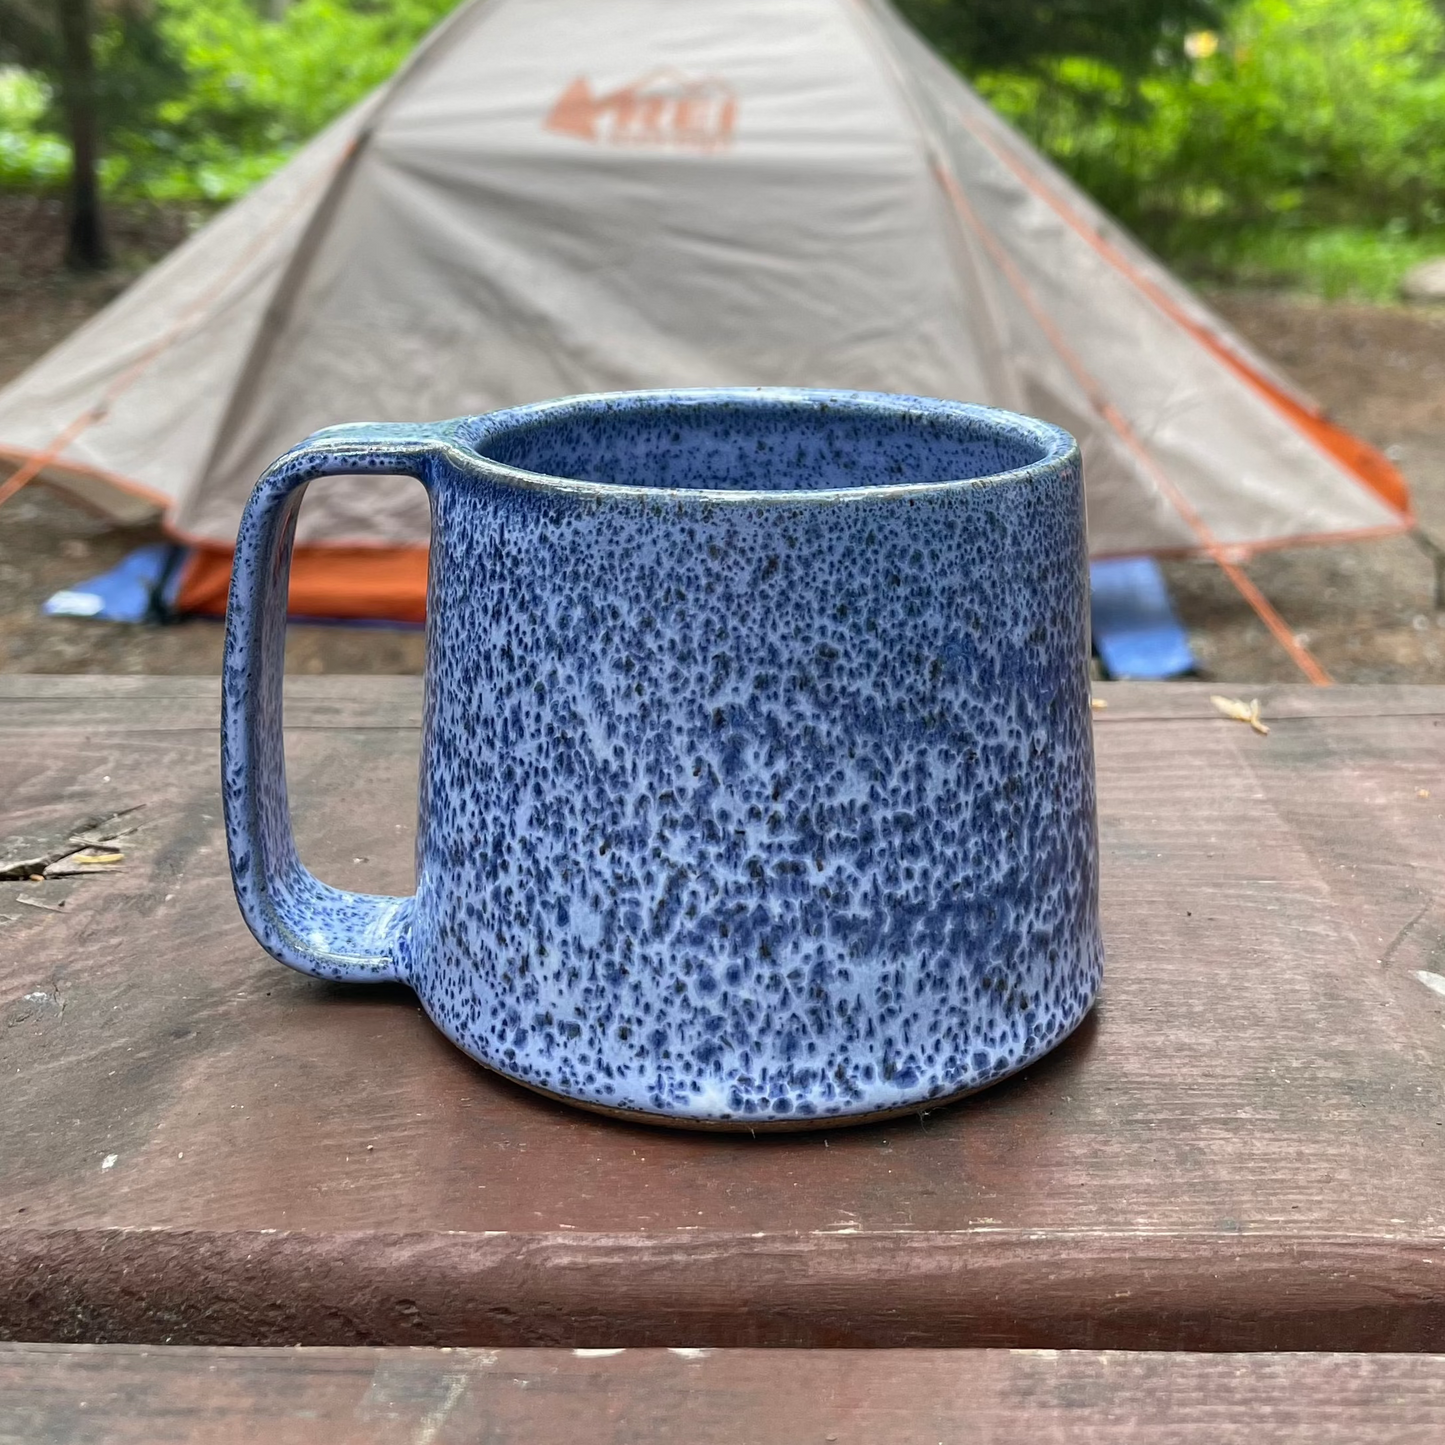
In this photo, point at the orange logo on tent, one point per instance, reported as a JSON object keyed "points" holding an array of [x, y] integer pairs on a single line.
{"points": [[662, 109]]}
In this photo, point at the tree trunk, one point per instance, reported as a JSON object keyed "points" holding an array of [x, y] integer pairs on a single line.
{"points": [[86, 248]]}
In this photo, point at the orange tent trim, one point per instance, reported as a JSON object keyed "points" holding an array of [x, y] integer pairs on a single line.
{"points": [[345, 583], [1369, 465]]}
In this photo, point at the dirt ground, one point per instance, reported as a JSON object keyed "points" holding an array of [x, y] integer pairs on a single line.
{"points": [[1366, 610]]}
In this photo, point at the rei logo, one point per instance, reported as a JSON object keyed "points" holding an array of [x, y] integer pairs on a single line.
{"points": [[664, 110]]}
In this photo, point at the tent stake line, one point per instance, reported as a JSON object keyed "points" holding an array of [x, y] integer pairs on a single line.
{"points": [[1371, 468], [1303, 658], [1124, 430]]}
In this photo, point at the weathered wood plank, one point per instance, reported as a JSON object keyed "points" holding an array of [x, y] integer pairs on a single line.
{"points": [[184, 704], [1244, 1147], [150, 703], [1042, 1289], [63, 1396]]}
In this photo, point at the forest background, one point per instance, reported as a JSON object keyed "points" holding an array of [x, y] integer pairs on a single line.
{"points": [[1290, 143]]}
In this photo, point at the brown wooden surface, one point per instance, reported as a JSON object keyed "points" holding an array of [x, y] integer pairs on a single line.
{"points": [[131, 1395], [1244, 1148]]}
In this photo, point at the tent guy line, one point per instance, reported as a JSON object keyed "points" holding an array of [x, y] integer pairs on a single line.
{"points": [[1209, 544], [1307, 416], [1371, 469], [36, 462], [32, 468], [1307, 663]]}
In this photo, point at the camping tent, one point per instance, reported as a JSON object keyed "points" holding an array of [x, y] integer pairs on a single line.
{"points": [[557, 196]]}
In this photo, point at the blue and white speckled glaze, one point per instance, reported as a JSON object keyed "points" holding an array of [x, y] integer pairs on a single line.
{"points": [[757, 772]]}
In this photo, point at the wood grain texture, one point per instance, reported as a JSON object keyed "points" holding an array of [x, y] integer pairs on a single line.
{"points": [[1243, 1148], [127, 1395]]}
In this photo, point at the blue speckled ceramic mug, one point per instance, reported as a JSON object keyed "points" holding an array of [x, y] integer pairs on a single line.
{"points": [[757, 776]]}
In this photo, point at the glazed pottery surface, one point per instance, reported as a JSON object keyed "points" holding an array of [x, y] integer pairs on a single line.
{"points": [[757, 777]]}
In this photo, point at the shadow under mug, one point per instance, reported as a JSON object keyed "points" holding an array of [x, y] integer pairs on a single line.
{"points": [[757, 783]]}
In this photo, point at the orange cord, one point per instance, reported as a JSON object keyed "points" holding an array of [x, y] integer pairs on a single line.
{"points": [[1368, 466], [1209, 543], [1304, 659], [28, 471]]}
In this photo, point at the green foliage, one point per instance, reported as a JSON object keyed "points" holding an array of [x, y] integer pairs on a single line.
{"points": [[258, 87], [1324, 110], [1309, 147], [1337, 263], [1130, 35], [135, 71], [31, 159], [207, 97]]}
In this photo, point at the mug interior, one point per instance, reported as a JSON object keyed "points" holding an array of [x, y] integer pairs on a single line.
{"points": [[798, 442]]}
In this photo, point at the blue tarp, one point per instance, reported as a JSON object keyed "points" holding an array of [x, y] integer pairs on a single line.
{"points": [[1136, 632], [140, 588]]}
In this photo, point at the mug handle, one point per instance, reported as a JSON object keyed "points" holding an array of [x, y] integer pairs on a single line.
{"points": [[325, 931]]}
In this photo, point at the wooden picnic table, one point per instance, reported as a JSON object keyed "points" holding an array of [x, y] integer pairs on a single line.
{"points": [[1243, 1149], [140, 1395]]}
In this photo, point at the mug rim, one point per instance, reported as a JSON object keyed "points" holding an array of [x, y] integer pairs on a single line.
{"points": [[470, 434]]}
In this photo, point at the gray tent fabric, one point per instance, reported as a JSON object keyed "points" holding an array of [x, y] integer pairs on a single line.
{"points": [[558, 196]]}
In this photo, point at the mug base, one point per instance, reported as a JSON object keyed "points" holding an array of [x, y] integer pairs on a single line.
{"points": [[789, 1126]]}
